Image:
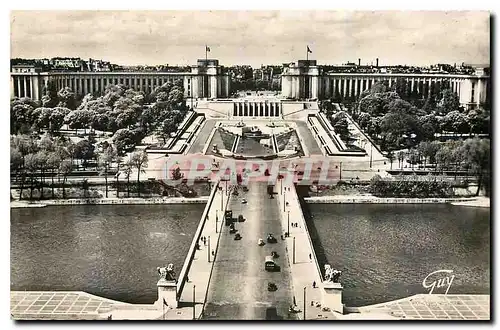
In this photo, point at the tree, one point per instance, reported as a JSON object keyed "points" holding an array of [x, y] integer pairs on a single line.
{"points": [[139, 160], [21, 115], [168, 127], [53, 161], [16, 166], [84, 150], [477, 154], [448, 102], [65, 168], [66, 98], [401, 157], [341, 127], [78, 119], [124, 141], [31, 164], [105, 160], [429, 126], [391, 157], [127, 170]]}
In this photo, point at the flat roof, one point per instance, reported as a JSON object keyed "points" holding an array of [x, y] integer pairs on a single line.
{"points": [[56, 303], [437, 307]]}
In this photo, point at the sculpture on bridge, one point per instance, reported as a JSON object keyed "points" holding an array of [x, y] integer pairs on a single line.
{"points": [[167, 273], [332, 275]]}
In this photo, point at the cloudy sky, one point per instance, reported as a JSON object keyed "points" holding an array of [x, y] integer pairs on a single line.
{"points": [[243, 37]]}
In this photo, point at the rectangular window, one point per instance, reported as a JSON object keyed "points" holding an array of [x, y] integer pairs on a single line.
{"points": [[126, 82]]}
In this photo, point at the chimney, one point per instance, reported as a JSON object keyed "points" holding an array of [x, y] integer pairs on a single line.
{"points": [[359, 62], [377, 62]]}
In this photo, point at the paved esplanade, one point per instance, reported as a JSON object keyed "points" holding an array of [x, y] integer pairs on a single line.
{"points": [[238, 287]]}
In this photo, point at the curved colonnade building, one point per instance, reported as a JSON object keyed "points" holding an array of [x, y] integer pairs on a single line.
{"points": [[302, 81], [306, 80], [205, 80]]}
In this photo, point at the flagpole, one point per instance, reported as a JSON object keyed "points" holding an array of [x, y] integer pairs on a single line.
{"points": [[206, 53], [307, 53]]}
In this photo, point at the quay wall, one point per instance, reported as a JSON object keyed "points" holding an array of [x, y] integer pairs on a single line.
{"points": [[378, 200], [111, 201]]}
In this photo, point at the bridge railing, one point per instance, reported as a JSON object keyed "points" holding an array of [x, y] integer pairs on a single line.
{"points": [[192, 249]]}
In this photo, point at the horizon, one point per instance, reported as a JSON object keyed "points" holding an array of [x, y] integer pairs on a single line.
{"points": [[412, 38]]}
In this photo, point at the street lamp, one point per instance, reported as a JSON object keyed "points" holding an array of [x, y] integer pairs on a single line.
{"points": [[340, 171], [371, 153], [305, 303], [208, 250], [288, 232], [294, 249], [194, 302], [216, 220], [284, 201]]}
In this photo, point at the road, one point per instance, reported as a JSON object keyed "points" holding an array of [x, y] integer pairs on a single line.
{"points": [[238, 287]]}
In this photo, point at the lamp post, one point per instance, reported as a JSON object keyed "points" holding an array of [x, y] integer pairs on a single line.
{"points": [[221, 200], [208, 250], [371, 153], [288, 231], [294, 249], [281, 181], [216, 221], [305, 303], [340, 171], [194, 302], [284, 201]]}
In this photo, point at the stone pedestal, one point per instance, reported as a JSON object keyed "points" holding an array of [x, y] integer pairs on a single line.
{"points": [[333, 296], [167, 290]]}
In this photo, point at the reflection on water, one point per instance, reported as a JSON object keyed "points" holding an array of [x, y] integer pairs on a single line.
{"points": [[111, 251], [386, 251]]}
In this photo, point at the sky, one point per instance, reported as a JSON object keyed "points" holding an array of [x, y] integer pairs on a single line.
{"points": [[254, 37]]}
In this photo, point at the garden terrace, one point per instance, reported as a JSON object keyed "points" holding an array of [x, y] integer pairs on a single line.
{"points": [[251, 147], [289, 141], [223, 139]]}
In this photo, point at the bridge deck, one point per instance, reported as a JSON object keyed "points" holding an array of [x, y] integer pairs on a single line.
{"points": [[238, 287]]}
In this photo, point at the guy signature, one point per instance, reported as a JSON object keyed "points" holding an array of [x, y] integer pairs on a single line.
{"points": [[445, 281]]}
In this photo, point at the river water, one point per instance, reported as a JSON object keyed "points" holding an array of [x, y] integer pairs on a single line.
{"points": [[386, 251], [110, 251]]}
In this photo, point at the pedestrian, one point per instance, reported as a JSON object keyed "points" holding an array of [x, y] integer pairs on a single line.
{"points": [[314, 284], [213, 253], [187, 278], [310, 257]]}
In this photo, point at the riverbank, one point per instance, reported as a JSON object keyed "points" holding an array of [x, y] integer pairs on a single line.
{"points": [[110, 201], [369, 199]]}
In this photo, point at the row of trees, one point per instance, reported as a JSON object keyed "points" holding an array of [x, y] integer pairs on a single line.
{"points": [[34, 161], [410, 188], [395, 123], [472, 155]]}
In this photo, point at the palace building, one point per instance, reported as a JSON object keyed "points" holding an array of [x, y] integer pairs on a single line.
{"points": [[205, 80], [304, 80], [307, 80]]}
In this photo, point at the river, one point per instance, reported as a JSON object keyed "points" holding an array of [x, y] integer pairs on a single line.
{"points": [[386, 251], [110, 251]]}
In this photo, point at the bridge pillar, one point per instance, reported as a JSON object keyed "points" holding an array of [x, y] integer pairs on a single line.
{"points": [[167, 293], [333, 296]]}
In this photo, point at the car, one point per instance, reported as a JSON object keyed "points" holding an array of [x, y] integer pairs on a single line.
{"points": [[271, 239], [237, 237], [261, 242]]}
